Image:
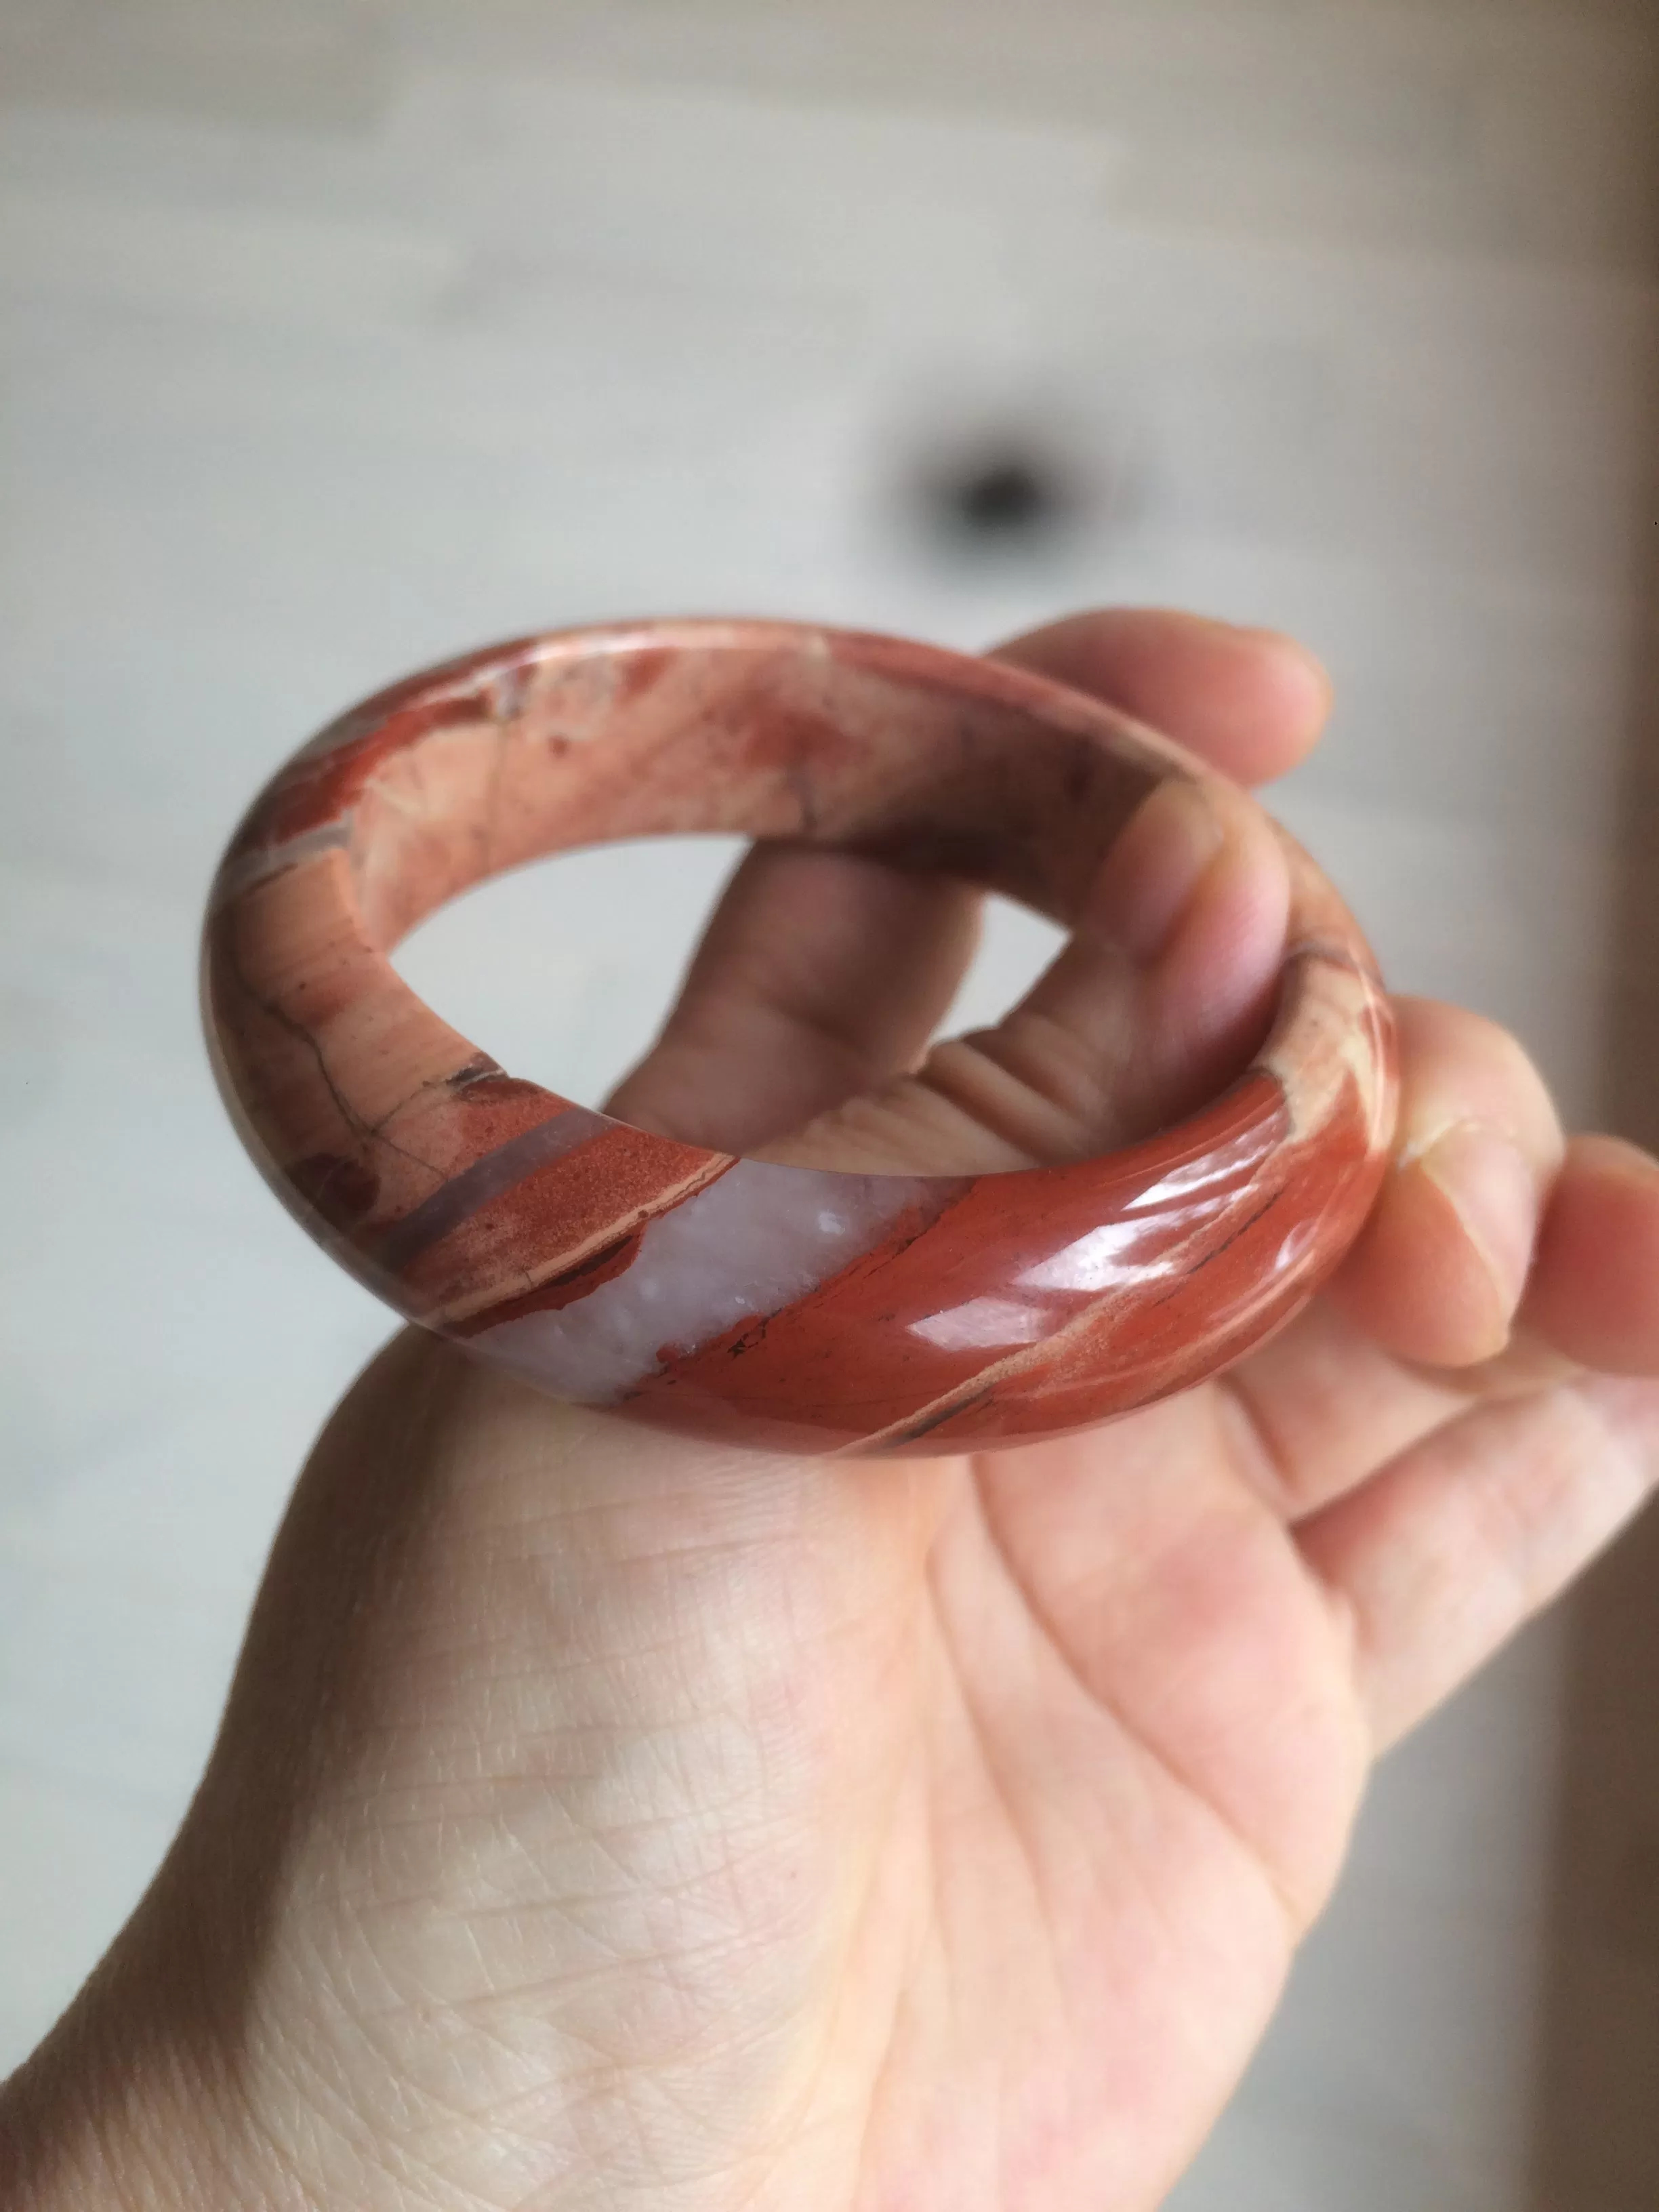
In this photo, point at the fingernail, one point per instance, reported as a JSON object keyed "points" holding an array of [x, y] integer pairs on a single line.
{"points": [[1156, 864], [1493, 1187]]}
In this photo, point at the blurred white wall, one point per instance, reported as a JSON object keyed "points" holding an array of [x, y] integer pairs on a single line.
{"points": [[333, 338]]}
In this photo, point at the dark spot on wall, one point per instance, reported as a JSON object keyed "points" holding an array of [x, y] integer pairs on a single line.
{"points": [[998, 494]]}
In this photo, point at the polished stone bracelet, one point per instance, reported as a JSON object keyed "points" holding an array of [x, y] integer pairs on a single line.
{"points": [[788, 1307]]}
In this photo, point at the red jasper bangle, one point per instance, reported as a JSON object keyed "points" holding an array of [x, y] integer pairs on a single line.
{"points": [[780, 1306]]}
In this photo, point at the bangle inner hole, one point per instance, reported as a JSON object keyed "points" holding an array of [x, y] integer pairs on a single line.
{"points": [[815, 1053], [567, 969]]}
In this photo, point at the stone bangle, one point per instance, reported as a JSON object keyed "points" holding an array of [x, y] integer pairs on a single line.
{"points": [[777, 1306]]}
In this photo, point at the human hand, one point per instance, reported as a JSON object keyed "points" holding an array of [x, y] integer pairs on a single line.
{"points": [[600, 1817]]}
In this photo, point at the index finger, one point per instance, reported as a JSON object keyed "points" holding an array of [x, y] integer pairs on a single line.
{"points": [[1252, 702], [822, 975]]}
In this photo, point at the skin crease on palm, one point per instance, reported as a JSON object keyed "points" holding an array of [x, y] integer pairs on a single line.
{"points": [[605, 1820]]}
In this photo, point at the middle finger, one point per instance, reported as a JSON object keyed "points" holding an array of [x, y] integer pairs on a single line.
{"points": [[1413, 1323]]}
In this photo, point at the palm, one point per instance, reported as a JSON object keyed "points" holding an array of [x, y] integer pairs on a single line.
{"points": [[1140, 1748], [1047, 1760], [936, 1832], [1085, 1734], [983, 1801]]}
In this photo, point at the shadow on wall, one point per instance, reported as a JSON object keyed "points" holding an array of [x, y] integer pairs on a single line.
{"points": [[1596, 2140]]}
